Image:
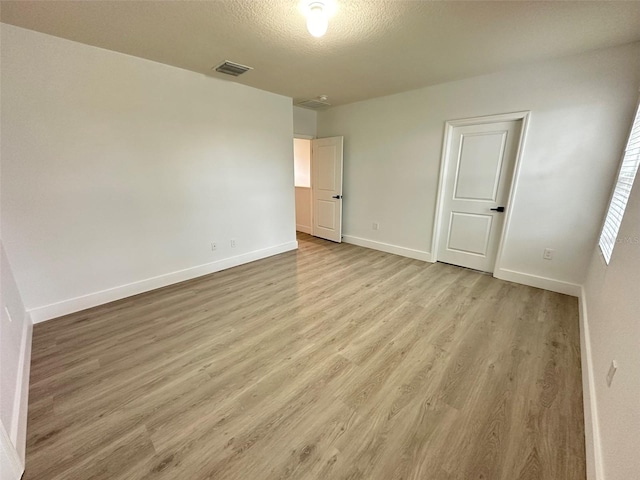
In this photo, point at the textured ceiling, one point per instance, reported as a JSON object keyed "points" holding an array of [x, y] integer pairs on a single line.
{"points": [[372, 47]]}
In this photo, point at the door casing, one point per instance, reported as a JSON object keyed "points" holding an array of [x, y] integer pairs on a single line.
{"points": [[525, 117]]}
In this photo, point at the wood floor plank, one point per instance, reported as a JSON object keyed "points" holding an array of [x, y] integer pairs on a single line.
{"points": [[334, 361]]}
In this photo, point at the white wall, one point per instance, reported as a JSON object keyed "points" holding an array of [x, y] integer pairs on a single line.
{"points": [[303, 209], [302, 162], [580, 107], [15, 354], [613, 314], [302, 170], [305, 121], [118, 172]]}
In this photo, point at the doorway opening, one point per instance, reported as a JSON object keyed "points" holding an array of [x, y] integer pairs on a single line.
{"points": [[302, 178], [318, 186]]}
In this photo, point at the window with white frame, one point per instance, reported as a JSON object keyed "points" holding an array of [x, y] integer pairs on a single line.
{"points": [[622, 190]]}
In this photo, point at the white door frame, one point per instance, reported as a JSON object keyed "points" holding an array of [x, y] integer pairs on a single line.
{"points": [[525, 116]]}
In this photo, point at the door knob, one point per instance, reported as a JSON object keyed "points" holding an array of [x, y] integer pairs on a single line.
{"points": [[499, 209], [337, 196]]}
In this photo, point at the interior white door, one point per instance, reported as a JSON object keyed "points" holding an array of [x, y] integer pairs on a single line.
{"points": [[478, 172], [326, 187]]}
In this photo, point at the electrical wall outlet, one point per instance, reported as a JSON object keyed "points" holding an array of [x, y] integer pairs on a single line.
{"points": [[375, 226], [233, 243], [213, 246], [548, 254], [612, 371]]}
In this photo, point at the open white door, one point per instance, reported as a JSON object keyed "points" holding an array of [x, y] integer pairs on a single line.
{"points": [[326, 187], [479, 169]]}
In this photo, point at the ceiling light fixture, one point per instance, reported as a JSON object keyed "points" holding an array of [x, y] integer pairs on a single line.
{"points": [[318, 13]]}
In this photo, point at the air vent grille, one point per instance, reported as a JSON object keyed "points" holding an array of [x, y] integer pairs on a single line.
{"points": [[314, 104], [232, 68]]}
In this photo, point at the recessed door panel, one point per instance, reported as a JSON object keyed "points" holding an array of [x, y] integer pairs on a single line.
{"points": [[325, 155], [326, 214], [479, 166], [469, 233]]}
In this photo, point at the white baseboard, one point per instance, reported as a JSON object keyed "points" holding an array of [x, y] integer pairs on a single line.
{"points": [[545, 283], [77, 304], [387, 247], [10, 466], [303, 229], [591, 427], [18, 432]]}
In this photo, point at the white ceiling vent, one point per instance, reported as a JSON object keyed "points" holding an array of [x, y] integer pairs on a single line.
{"points": [[232, 68], [315, 103]]}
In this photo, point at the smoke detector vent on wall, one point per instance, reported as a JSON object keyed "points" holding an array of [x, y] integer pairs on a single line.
{"points": [[315, 103], [232, 68]]}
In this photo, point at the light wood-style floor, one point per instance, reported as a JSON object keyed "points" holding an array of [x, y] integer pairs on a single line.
{"points": [[332, 362]]}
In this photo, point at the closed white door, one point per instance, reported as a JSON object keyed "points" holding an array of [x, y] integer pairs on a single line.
{"points": [[477, 179], [326, 187]]}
